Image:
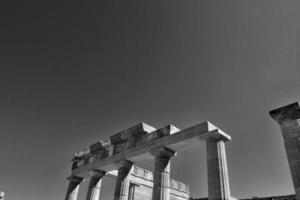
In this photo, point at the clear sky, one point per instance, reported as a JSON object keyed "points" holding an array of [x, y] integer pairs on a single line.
{"points": [[75, 72]]}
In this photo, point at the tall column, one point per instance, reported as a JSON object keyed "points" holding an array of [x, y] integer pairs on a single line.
{"points": [[217, 171], [161, 174], [73, 188], [288, 117], [123, 181], [95, 185]]}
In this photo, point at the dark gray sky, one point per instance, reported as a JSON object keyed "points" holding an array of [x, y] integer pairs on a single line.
{"points": [[74, 72]]}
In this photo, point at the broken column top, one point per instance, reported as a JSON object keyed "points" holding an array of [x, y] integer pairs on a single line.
{"points": [[289, 112]]}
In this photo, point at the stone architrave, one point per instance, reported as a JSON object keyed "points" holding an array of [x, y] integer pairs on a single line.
{"points": [[217, 171], [95, 185], [73, 188], [288, 117], [123, 181], [161, 174]]}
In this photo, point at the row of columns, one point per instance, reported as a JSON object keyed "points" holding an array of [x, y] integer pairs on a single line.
{"points": [[218, 183]]}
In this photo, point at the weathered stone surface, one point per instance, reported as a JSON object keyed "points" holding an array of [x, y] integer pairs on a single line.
{"points": [[286, 113], [288, 118], [161, 174], [142, 181], [217, 172], [73, 188], [162, 132], [143, 142], [128, 134], [94, 188], [123, 181], [178, 141], [130, 137]]}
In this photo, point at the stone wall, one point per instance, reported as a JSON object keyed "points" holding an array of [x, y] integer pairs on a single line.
{"points": [[141, 184]]}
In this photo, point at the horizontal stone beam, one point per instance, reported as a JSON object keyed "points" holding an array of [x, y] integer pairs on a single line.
{"points": [[177, 142]]}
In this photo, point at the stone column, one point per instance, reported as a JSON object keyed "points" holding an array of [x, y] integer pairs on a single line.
{"points": [[95, 185], [288, 117], [217, 172], [73, 188], [123, 181], [161, 174]]}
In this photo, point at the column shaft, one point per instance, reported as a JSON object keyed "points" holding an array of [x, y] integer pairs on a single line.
{"points": [[73, 188], [161, 174], [217, 172], [95, 186], [288, 117], [123, 181], [291, 136]]}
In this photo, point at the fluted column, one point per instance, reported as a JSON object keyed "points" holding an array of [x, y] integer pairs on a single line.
{"points": [[217, 172], [161, 174], [123, 181], [95, 186], [73, 188], [288, 117]]}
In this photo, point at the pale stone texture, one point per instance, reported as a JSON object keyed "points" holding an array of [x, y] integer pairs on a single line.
{"points": [[94, 188], [288, 118], [217, 172], [161, 174], [142, 180], [123, 180], [73, 188]]}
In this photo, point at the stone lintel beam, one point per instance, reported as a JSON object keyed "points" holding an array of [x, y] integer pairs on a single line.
{"points": [[73, 187], [176, 141], [286, 113], [140, 128], [97, 172], [216, 135], [168, 130], [162, 152]]}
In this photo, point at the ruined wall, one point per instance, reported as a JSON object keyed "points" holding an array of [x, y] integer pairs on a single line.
{"points": [[141, 183]]}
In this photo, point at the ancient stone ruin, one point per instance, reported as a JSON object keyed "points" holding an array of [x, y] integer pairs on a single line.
{"points": [[288, 117], [118, 156]]}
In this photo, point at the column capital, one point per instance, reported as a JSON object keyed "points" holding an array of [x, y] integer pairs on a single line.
{"points": [[72, 192], [74, 178], [162, 152], [124, 163], [97, 173], [286, 113], [216, 135]]}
